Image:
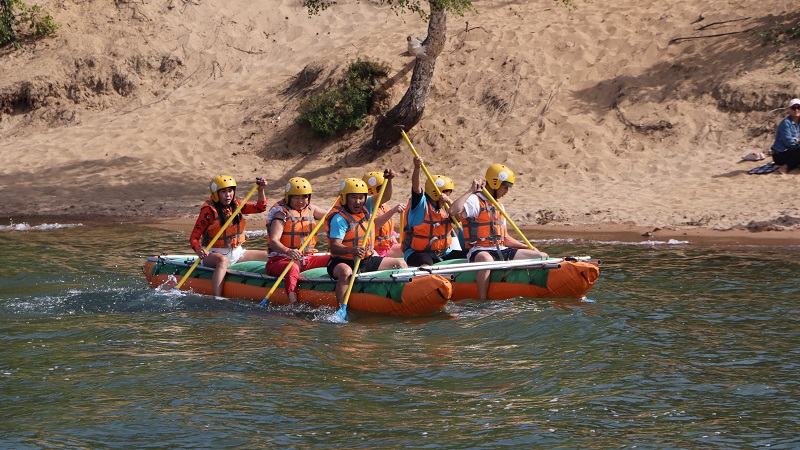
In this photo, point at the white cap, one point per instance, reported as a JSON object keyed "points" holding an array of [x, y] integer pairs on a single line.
{"points": [[794, 101]]}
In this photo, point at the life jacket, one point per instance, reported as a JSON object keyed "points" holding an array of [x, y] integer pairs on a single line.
{"points": [[485, 229], [433, 234], [383, 237], [356, 229], [233, 236], [296, 227]]}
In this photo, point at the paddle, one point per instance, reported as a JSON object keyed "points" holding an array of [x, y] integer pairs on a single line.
{"points": [[455, 220], [342, 312], [302, 247], [402, 225], [219, 233], [502, 211]]}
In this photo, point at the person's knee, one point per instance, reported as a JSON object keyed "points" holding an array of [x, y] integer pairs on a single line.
{"points": [[527, 254], [222, 262], [483, 257], [342, 272]]}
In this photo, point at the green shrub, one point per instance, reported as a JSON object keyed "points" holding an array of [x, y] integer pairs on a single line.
{"points": [[15, 15], [779, 34], [346, 105]]}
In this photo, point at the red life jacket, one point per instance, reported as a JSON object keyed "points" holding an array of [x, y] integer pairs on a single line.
{"points": [[233, 236], [433, 234], [383, 237], [296, 227], [485, 229], [356, 229]]}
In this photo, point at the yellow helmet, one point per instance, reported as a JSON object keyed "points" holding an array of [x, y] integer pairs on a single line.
{"points": [[374, 181], [220, 182], [442, 182], [297, 186], [499, 174], [351, 186]]}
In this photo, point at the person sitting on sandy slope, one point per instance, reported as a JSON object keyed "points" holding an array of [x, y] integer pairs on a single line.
{"points": [[786, 148]]}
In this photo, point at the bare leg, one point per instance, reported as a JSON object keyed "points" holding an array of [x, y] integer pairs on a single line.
{"points": [[254, 255], [390, 263], [396, 251], [482, 276], [220, 264], [525, 253], [342, 272]]}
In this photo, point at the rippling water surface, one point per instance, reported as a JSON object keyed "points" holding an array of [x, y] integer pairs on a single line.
{"points": [[678, 346]]}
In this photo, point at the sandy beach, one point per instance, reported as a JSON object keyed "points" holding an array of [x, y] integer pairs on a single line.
{"points": [[617, 119]]}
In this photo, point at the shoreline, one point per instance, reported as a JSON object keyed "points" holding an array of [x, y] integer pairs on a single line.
{"points": [[606, 232]]}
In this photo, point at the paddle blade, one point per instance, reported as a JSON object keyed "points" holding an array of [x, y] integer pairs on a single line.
{"points": [[263, 303], [341, 315]]}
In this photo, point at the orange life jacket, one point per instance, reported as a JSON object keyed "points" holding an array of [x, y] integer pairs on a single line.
{"points": [[433, 234], [296, 227], [485, 229], [233, 236], [356, 229], [383, 237]]}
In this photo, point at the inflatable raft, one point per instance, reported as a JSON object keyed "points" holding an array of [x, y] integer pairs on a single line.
{"points": [[380, 292], [569, 278]]}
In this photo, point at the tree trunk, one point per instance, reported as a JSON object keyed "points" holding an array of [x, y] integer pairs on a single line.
{"points": [[409, 111]]}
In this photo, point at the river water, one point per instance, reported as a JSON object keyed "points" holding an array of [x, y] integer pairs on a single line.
{"points": [[678, 346]]}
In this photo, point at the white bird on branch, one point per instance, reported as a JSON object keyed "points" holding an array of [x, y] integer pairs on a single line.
{"points": [[415, 47]]}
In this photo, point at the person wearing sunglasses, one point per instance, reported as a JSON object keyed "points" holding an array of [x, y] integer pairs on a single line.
{"points": [[786, 149]]}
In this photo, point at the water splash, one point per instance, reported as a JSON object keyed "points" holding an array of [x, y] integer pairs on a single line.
{"points": [[651, 243], [45, 226]]}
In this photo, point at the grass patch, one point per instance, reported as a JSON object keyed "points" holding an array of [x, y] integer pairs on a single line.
{"points": [[779, 34]]}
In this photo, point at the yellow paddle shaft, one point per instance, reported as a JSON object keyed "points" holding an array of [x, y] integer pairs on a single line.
{"points": [[508, 219], [375, 206], [455, 220], [302, 247], [219, 233]]}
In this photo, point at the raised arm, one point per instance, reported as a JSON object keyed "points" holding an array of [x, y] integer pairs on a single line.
{"points": [[415, 184], [458, 206], [388, 174]]}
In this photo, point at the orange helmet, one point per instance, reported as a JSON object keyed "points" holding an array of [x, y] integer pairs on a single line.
{"points": [[442, 182], [374, 181], [297, 186], [220, 182], [352, 186], [497, 174]]}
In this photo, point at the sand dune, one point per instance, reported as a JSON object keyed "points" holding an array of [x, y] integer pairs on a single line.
{"points": [[135, 106]]}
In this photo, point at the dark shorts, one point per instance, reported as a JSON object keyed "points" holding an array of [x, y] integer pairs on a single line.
{"points": [[507, 254], [455, 254], [789, 157], [417, 259], [368, 264]]}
